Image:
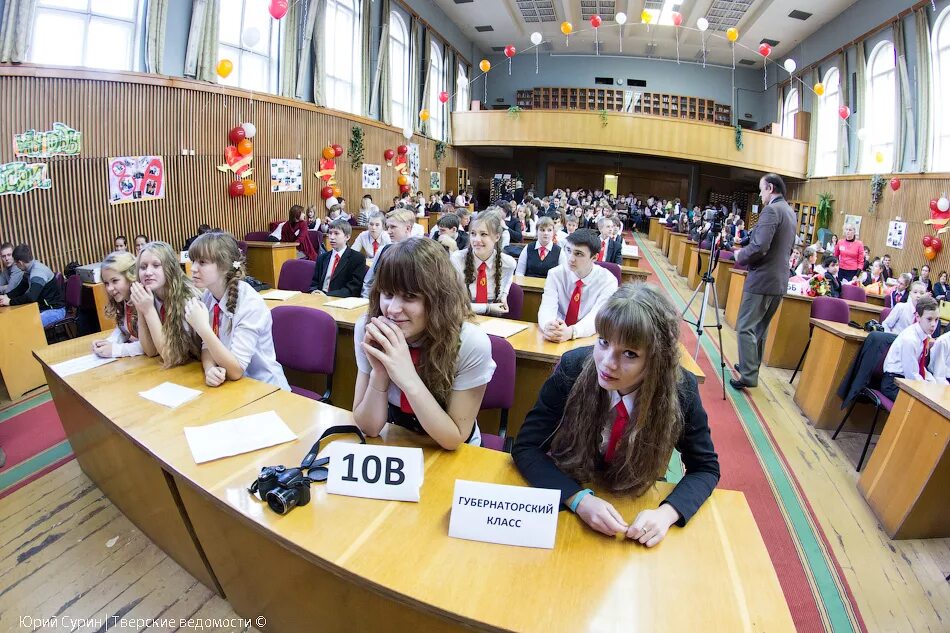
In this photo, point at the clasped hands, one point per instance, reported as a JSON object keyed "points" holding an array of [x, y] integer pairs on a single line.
{"points": [[557, 331], [648, 528]]}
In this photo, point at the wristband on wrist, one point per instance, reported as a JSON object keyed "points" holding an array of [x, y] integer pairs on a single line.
{"points": [[577, 498]]}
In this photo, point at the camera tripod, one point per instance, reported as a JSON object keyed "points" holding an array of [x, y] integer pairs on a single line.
{"points": [[708, 286]]}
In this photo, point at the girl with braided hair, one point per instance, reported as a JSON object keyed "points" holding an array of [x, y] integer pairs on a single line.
{"points": [[483, 268], [231, 318], [118, 274]]}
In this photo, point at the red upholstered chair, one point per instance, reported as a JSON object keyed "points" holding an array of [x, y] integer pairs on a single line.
{"points": [[515, 302], [69, 323], [884, 313], [500, 393], [613, 268], [828, 309], [305, 340], [257, 236], [296, 274], [853, 293]]}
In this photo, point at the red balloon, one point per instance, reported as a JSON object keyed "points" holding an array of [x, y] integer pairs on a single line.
{"points": [[443, 96], [278, 8], [844, 112], [236, 135], [765, 50], [895, 184], [236, 189], [337, 150], [928, 241], [936, 244], [402, 150], [677, 18], [595, 21], [404, 189], [510, 51], [326, 192], [933, 205], [388, 154]]}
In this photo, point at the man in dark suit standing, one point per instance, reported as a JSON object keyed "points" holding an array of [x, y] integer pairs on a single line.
{"points": [[339, 271], [767, 258]]}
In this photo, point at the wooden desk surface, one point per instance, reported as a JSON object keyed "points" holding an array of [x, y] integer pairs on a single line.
{"points": [[530, 284], [272, 245], [935, 396], [21, 332], [842, 330]]}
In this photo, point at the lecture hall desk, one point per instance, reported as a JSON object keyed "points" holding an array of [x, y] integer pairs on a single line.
{"points": [[653, 233], [723, 275], [681, 263], [21, 332], [675, 245], [696, 268], [264, 259], [665, 234], [908, 475], [96, 297]]}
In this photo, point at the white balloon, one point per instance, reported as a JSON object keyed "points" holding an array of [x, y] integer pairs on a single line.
{"points": [[702, 24], [407, 133], [332, 202], [621, 18], [790, 65], [943, 204], [862, 134], [536, 38], [249, 129], [251, 37]]}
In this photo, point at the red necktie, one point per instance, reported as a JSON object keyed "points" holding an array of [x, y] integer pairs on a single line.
{"points": [[414, 353], [129, 312], [215, 318], [375, 247], [162, 313], [574, 308], [922, 361], [522, 226], [481, 284], [336, 260], [616, 431], [544, 252], [603, 248]]}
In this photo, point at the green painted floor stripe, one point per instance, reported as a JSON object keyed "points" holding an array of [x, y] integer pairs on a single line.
{"points": [[38, 462], [674, 470], [17, 409], [832, 599]]}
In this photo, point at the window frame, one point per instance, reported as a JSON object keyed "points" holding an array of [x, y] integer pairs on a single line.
{"points": [[437, 117], [940, 75], [463, 90], [828, 105], [237, 53], [788, 113], [137, 24], [332, 34], [874, 123], [399, 121]]}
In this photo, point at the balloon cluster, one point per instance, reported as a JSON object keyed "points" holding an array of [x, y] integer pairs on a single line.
{"points": [[240, 138], [939, 215]]}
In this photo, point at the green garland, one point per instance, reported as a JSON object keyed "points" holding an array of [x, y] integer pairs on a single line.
{"points": [[877, 191], [739, 144], [356, 146], [514, 111], [439, 152], [603, 117]]}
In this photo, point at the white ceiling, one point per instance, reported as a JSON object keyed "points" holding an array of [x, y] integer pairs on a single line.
{"points": [[755, 19]]}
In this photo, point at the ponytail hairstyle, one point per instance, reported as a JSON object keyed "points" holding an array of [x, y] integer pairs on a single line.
{"points": [[639, 317], [122, 262], [491, 220], [222, 249], [181, 343]]}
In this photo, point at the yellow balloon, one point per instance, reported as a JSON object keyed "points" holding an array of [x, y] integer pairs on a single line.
{"points": [[646, 17], [424, 115], [732, 34], [819, 88], [224, 68], [484, 65], [879, 157], [566, 28]]}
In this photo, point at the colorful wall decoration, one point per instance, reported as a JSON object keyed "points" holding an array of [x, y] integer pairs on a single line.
{"points": [[62, 140], [136, 178], [20, 178], [372, 176], [286, 174]]}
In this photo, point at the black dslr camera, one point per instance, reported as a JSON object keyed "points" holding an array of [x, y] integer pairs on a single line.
{"points": [[282, 488]]}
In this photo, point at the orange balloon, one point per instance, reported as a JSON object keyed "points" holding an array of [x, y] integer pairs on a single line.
{"points": [[250, 187], [402, 180], [930, 252], [484, 65], [245, 147], [329, 152], [566, 28], [337, 192]]}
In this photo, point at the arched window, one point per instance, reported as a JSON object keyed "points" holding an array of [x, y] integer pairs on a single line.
{"points": [[881, 109], [91, 34], [789, 110], [826, 149], [940, 97], [462, 93], [343, 61], [436, 85], [399, 69], [255, 67]]}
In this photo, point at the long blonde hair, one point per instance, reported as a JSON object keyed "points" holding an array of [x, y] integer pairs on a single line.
{"points": [[181, 343], [420, 266], [493, 223], [637, 316], [222, 249], [122, 262]]}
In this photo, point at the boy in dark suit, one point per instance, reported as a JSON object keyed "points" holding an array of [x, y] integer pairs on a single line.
{"points": [[830, 265], [448, 225], [339, 272]]}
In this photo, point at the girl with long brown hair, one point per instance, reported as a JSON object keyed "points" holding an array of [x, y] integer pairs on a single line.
{"points": [[118, 275], [296, 229], [612, 414], [483, 268], [423, 364]]}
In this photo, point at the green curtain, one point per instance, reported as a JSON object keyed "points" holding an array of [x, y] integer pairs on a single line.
{"points": [[844, 90], [449, 82], [310, 38], [860, 101], [366, 70], [417, 58], [156, 18], [905, 109], [382, 93], [424, 127], [201, 56], [923, 145], [290, 52], [813, 127], [16, 30]]}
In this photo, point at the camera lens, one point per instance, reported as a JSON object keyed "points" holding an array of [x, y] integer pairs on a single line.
{"points": [[282, 500]]}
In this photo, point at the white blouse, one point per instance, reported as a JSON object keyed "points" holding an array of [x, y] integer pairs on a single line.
{"points": [[495, 295]]}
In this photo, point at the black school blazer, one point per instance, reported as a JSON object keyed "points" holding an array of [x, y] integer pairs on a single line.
{"points": [[695, 445], [347, 280]]}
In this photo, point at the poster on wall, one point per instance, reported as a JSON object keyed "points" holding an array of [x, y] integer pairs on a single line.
{"points": [[414, 168], [895, 234], [286, 174], [856, 221], [136, 178], [372, 176], [62, 140], [19, 178], [435, 181]]}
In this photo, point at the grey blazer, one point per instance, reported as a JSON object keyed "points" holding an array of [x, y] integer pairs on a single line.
{"points": [[770, 246]]}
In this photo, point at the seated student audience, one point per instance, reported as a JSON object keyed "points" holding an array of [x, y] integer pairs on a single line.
{"points": [[340, 271], [120, 244], [160, 296], [609, 250], [570, 223], [925, 278], [118, 275], [941, 289], [903, 314], [295, 229], [374, 238], [37, 285], [202, 229], [907, 357], [483, 268], [237, 337], [940, 359], [875, 276], [612, 414], [540, 257], [140, 242], [334, 212], [367, 209], [901, 291], [806, 268], [448, 227], [313, 222], [831, 276], [886, 269], [10, 273], [575, 291], [399, 225], [423, 364]]}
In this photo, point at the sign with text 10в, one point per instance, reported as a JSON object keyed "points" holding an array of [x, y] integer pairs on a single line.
{"points": [[509, 515], [393, 473]]}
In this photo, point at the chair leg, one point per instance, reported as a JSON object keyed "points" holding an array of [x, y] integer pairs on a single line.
{"points": [[326, 394], [834, 436], [867, 442], [503, 424], [802, 359]]}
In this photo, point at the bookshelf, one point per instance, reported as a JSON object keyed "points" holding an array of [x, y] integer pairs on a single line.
{"points": [[806, 213], [524, 99], [722, 114], [575, 99], [456, 179]]}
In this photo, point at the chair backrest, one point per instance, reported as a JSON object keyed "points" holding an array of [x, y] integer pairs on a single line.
{"points": [[613, 268], [242, 246], [739, 266], [60, 280], [884, 313], [515, 302], [296, 274], [877, 373], [256, 236], [304, 339], [888, 300], [830, 309], [726, 255], [73, 291], [500, 393], [316, 238], [853, 293]]}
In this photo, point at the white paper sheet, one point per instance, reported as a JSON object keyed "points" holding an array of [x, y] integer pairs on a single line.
{"points": [[240, 435], [77, 365], [501, 327], [347, 303], [170, 395], [630, 250], [280, 295]]}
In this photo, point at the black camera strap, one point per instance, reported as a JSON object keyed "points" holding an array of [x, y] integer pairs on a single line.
{"points": [[311, 463]]}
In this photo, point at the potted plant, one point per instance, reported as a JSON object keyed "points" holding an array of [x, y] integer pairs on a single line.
{"points": [[825, 210]]}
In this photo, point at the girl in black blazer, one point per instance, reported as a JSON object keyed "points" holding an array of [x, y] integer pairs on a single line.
{"points": [[608, 416]]}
